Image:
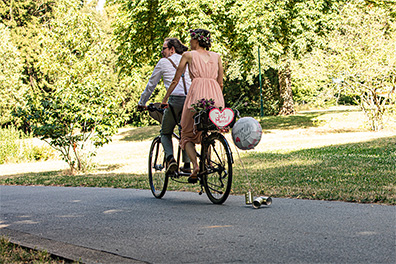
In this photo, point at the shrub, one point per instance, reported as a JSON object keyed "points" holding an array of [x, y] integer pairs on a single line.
{"points": [[16, 146]]}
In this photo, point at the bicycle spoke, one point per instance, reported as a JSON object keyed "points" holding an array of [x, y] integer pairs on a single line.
{"points": [[157, 178], [218, 157], [219, 192], [218, 169], [217, 185]]}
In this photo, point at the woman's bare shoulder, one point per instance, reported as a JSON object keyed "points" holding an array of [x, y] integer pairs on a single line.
{"points": [[212, 52], [187, 54]]}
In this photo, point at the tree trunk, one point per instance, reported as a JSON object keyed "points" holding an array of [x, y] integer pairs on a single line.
{"points": [[285, 91]]}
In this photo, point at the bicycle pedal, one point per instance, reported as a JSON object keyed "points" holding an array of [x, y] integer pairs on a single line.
{"points": [[192, 180]]}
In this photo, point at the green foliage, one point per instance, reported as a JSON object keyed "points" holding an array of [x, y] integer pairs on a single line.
{"points": [[25, 19], [10, 148], [16, 146], [11, 87], [369, 67], [312, 83], [284, 30], [22, 13], [359, 62], [131, 87], [81, 108], [247, 96], [140, 32], [315, 41]]}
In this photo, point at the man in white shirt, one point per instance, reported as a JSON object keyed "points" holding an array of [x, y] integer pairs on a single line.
{"points": [[166, 69]]}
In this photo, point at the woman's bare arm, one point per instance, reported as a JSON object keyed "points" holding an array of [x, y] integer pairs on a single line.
{"points": [[220, 74]]}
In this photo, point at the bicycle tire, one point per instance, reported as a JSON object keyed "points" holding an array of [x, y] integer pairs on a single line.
{"points": [[216, 162], [156, 169]]}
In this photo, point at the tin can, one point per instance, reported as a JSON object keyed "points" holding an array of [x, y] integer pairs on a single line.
{"points": [[261, 200], [248, 197]]}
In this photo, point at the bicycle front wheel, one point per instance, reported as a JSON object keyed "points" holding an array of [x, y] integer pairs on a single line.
{"points": [[217, 162], [156, 170]]}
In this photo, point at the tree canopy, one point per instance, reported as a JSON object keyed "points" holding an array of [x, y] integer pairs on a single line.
{"points": [[48, 51], [283, 29], [12, 89]]}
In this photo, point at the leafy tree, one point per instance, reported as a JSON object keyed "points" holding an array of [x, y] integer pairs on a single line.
{"points": [[359, 61], [283, 29], [174, 19], [363, 57], [11, 86], [81, 107], [140, 35], [292, 29], [25, 18]]}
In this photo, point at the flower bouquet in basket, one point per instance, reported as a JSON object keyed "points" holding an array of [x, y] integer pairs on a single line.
{"points": [[208, 117], [201, 118]]}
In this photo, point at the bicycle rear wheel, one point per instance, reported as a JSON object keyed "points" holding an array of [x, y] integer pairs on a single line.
{"points": [[217, 162], [157, 178]]}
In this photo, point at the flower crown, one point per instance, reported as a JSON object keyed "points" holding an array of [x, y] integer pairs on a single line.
{"points": [[200, 36]]}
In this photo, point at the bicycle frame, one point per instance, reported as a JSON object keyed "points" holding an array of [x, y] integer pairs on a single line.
{"points": [[215, 163]]}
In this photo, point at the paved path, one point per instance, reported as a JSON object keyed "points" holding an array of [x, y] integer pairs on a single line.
{"points": [[130, 226]]}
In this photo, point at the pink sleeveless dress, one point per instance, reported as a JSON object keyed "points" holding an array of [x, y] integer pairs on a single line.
{"points": [[203, 85]]}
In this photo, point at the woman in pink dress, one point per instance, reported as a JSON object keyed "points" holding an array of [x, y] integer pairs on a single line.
{"points": [[206, 72]]}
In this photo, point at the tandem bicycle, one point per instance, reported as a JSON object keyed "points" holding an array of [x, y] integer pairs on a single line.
{"points": [[214, 158]]}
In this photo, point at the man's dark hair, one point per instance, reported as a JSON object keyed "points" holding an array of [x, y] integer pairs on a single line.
{"points": [[179, 47]]}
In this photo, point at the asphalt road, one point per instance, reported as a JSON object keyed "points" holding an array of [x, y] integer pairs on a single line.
{"points": [[130, 226]]}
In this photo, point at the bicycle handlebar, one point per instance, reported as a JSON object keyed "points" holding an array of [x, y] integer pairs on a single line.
{"points": [[151, 107]]}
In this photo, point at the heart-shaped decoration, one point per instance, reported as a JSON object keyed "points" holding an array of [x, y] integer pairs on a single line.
{"points": [[221, 118]]}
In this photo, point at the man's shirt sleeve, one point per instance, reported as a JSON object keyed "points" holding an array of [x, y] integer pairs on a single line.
{"points": [[152, 83]]}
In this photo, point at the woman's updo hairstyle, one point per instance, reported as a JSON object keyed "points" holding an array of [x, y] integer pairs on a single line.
{"points": [[174, 42], [203, 37]]}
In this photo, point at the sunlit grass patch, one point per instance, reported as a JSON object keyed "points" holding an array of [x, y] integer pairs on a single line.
{"points": [[111, 180], [296, 167], [11, 253], [140, 133], [289, 122], [359, 172]]}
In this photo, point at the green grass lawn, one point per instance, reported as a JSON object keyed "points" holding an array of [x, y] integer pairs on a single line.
{"points": [[362, 172], [11, 253], [358, 172]]}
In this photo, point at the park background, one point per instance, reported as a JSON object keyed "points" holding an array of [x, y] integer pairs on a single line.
{"points": [[72, 74]]}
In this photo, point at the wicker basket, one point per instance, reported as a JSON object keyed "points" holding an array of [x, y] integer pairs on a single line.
{"points": [[202, 121]]}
